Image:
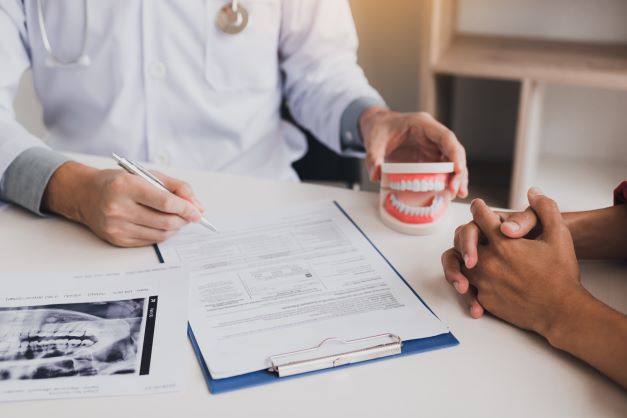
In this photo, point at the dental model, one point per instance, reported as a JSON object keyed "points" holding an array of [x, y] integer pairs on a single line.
{"points": [[413, 198]]}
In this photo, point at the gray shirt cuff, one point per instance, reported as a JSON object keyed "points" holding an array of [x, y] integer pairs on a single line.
{"points": [[26, 179], [350, 134]]}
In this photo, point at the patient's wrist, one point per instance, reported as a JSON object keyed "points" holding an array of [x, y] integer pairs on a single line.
{"points": [[565, 320], [67, 187]]}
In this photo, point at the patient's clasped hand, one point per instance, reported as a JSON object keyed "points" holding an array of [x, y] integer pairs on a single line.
{"points": [[522, 267]]}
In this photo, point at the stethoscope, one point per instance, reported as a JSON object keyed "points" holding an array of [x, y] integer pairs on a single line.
{"points": [[232, 19]]}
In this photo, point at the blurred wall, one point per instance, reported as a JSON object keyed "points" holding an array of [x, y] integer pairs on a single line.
{"points": [[390, 47]]}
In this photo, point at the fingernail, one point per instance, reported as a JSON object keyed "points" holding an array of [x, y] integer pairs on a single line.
{"points": [[535, 191], [466, 260], [195, 215], [513, 226], [456, 286], [198, 204], [474, 310]]}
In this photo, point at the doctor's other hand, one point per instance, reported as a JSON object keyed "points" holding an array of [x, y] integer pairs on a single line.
{"points": [[411, 137], [119, 207]]}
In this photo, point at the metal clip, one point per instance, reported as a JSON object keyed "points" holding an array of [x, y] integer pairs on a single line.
{"points": [[282, 365]]}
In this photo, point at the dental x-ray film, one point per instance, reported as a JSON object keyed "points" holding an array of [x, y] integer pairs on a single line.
{"points": [[92, 335]]}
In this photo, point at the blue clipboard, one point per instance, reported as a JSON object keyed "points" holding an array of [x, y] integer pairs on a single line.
{"points": [[263, 377]]}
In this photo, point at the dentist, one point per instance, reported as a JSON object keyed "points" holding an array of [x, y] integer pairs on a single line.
{"points": [[189, 83]]}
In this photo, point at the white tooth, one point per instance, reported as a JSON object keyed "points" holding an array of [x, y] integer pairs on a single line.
{"points": [[423, 185], [77, 333], [431, 185], [415, 186], [87, 343], [440, 186]]}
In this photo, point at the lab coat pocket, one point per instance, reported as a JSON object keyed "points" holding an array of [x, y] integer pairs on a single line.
{"points": [[247, 60]]}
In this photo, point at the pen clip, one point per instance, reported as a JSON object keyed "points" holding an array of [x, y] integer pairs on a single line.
{"points": [[148, 173], [124, 163]]}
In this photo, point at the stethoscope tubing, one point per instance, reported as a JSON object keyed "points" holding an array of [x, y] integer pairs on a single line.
{"points": [[83, 60], [53, 60]]}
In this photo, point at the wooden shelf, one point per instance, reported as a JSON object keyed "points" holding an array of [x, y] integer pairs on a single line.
{"points": [[595, 65]]}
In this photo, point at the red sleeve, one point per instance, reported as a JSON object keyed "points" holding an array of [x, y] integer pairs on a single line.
{"points": [[620, 194]]}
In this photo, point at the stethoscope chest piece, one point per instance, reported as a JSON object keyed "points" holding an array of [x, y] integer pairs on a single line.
{"points": [[232, 18]]}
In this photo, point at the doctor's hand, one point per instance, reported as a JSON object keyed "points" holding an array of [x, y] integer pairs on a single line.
{"points": [[411, 137], [119, 207]]}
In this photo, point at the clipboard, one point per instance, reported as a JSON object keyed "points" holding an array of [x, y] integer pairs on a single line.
{"points": [[330, 354]]}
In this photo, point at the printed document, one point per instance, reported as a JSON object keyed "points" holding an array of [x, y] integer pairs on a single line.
{"points": [[286, 281], [83, 335]]}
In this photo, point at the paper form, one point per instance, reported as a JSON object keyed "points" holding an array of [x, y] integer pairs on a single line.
{"points": [[286, 282], [84, 335]]}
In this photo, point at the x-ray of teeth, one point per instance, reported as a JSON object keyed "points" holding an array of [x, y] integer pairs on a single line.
{"points": [[79, 339]]}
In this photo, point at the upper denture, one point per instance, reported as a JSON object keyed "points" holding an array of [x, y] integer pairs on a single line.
{"points": [[417, 182]]}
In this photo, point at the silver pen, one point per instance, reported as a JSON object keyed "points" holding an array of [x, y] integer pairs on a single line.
{"points": [[134, 167]]}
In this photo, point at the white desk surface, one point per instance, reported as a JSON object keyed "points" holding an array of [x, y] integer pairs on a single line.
{"points": [[496, 371]]}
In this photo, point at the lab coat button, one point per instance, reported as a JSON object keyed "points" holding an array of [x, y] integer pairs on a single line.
{"points": [[157, 69]]}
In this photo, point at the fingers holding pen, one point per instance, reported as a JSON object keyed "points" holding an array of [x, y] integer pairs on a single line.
{"points": [[163, 201]]}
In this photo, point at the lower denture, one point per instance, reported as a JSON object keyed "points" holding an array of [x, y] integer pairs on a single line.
{"points": [[415, 218]]}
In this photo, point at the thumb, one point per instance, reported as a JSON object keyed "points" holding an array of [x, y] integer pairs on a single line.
{"points": [[180, 188], [518, 224], [375, 156], [547, 211]]}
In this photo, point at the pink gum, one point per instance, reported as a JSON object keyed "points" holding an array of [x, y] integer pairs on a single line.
{"points": [[422, 176]]}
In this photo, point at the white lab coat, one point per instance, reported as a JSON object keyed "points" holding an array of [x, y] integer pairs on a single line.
{"points": [[166, 85]]}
